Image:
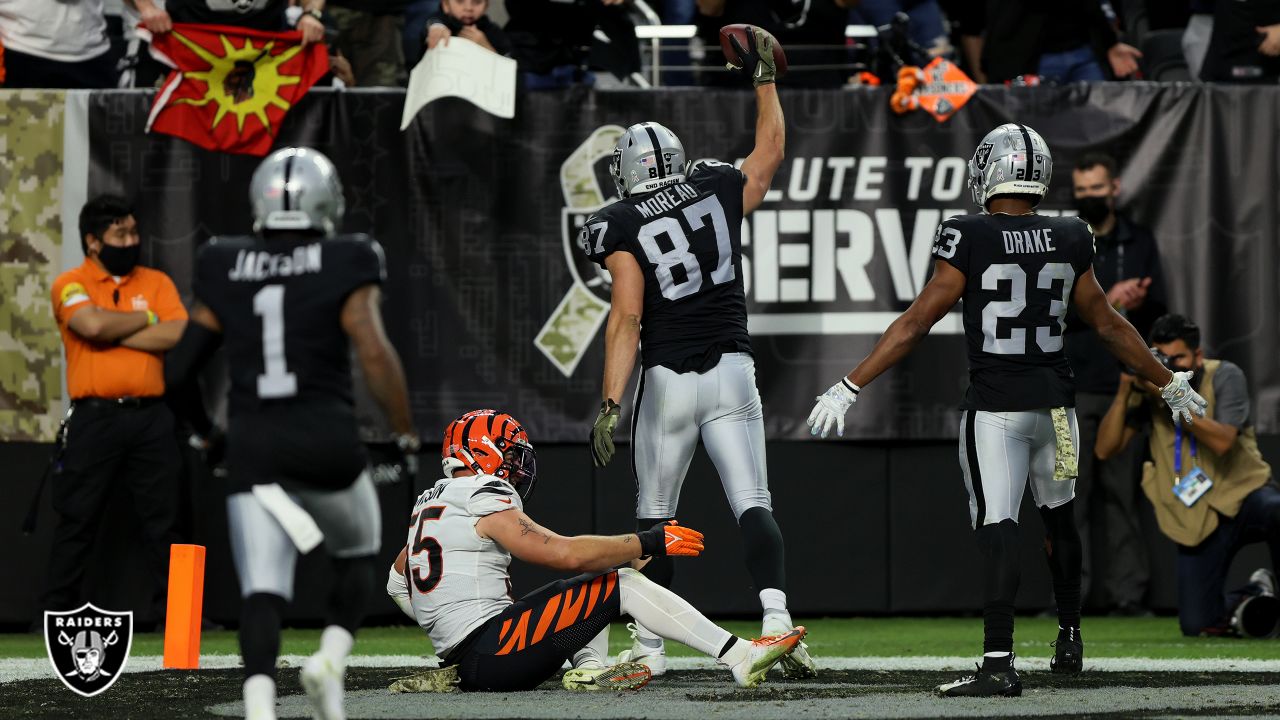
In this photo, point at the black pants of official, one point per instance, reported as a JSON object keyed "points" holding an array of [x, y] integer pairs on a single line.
{"points": [[110, 450]]}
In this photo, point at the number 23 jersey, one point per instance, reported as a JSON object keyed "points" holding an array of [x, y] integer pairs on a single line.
{"points": [[457, 579], [687, 239], [1020, 271]]}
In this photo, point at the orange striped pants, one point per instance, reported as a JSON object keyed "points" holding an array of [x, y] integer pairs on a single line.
{"points": [[524, 645]]}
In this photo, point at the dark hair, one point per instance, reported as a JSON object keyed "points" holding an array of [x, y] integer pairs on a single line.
{"points": [[1094, 159], [1173, 326], [99, 214]]}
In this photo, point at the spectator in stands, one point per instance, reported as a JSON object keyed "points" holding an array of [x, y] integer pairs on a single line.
{"points": [[416, 15], [1062, 41], [551, 38], [117, 319], [467, 20], [369, 37], [1245, 44], [268, 15], [1209, 522], [1126, 263], [928, 27], [1195, 39], [55, 44]]}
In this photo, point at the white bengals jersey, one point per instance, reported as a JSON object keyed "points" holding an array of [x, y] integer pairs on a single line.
{"points": [[457, 579]]}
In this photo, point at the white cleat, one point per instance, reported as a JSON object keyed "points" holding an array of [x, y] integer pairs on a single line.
{"points": [[259, 698], [322, 679], [764, 654], [591, 677], [799, 664], [654, 659]]}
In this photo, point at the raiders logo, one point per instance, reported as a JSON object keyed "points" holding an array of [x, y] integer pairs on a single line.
{"points": [[983, 155], [88, 647]]}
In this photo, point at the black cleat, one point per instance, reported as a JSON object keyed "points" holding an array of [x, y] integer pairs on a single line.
{"points": [[986, 683], [1068, 654]]}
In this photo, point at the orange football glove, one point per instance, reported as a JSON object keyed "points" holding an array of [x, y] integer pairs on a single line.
{"points": [[670, 538]]}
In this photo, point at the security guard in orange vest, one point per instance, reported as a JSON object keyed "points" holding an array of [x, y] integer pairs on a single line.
{"points": [[1212, 491], [117, 319]]}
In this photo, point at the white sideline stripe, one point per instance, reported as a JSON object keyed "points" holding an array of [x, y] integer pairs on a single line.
{"points": [[15, 669]]}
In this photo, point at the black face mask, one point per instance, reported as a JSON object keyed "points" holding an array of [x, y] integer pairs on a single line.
{"points": [[119, 260], [1093, 209]]}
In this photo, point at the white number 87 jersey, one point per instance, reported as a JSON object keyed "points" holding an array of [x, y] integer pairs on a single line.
{"points": [[457, 579]]}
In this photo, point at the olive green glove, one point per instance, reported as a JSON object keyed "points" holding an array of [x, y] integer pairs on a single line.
{"points": [[602, 432], [757, 60]]}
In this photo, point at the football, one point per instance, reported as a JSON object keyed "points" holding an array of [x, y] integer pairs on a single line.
{"points": [[742, 32]]}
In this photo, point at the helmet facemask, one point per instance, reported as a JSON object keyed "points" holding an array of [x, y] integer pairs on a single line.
{"points": [[519, 466]]}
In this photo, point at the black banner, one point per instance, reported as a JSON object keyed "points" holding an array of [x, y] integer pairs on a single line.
{"points": [[491, 306]]}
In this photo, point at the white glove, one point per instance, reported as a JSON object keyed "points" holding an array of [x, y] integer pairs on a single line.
{"points": [[1183, 401], [831, 407]]}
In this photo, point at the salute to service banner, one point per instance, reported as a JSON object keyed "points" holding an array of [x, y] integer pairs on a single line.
{"points": [[492, 304]]}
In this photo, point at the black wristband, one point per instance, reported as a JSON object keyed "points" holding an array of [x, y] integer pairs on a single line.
{"points": [[653, 540], [850, 386]]}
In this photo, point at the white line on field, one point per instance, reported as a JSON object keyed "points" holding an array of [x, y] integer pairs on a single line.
{"points": [[14, 669]]}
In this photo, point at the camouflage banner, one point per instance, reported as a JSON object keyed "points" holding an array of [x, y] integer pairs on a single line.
{"points": [[31, 185]]}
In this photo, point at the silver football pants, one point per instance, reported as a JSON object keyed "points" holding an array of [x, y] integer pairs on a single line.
{"points": [[673, 410], [265, 556], [1001, 451]]}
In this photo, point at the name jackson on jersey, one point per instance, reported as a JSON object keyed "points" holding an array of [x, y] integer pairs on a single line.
{"points": [[253, 265]]}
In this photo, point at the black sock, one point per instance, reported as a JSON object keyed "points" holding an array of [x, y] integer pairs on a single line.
{"points": [[766, 554], [659, 569], [354, 582], [1064, 552], [260, 633], [997, 664], [998, 544]]}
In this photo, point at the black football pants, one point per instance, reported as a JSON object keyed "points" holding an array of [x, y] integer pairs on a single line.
{"points": [[109, 449]]}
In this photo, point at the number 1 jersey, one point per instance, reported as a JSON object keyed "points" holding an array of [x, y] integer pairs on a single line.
{"points": [[1020, 271], [280, 302], [687, 238]]}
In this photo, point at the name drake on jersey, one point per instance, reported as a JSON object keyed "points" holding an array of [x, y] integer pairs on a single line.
{"points": [[1027, 241], [255, 265]]}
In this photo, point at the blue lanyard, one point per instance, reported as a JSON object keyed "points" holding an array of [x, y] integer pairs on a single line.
{"points": [[1177, 449]]}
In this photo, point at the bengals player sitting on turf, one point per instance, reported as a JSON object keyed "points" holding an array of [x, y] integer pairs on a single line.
{"points": [[451, 578]]}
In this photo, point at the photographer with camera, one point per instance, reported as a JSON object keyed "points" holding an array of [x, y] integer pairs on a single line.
{"points": [[1211, 489]]}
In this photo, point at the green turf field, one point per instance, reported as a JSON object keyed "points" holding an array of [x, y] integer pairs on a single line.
{"points": [[845, 637]]}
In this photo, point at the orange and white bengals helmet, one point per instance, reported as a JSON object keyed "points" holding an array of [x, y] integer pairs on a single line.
{"points": [[490, 442]]}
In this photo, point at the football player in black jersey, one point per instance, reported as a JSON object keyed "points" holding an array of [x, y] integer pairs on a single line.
{"points": [[289, 302], [1017, 273], [672, 246]]}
